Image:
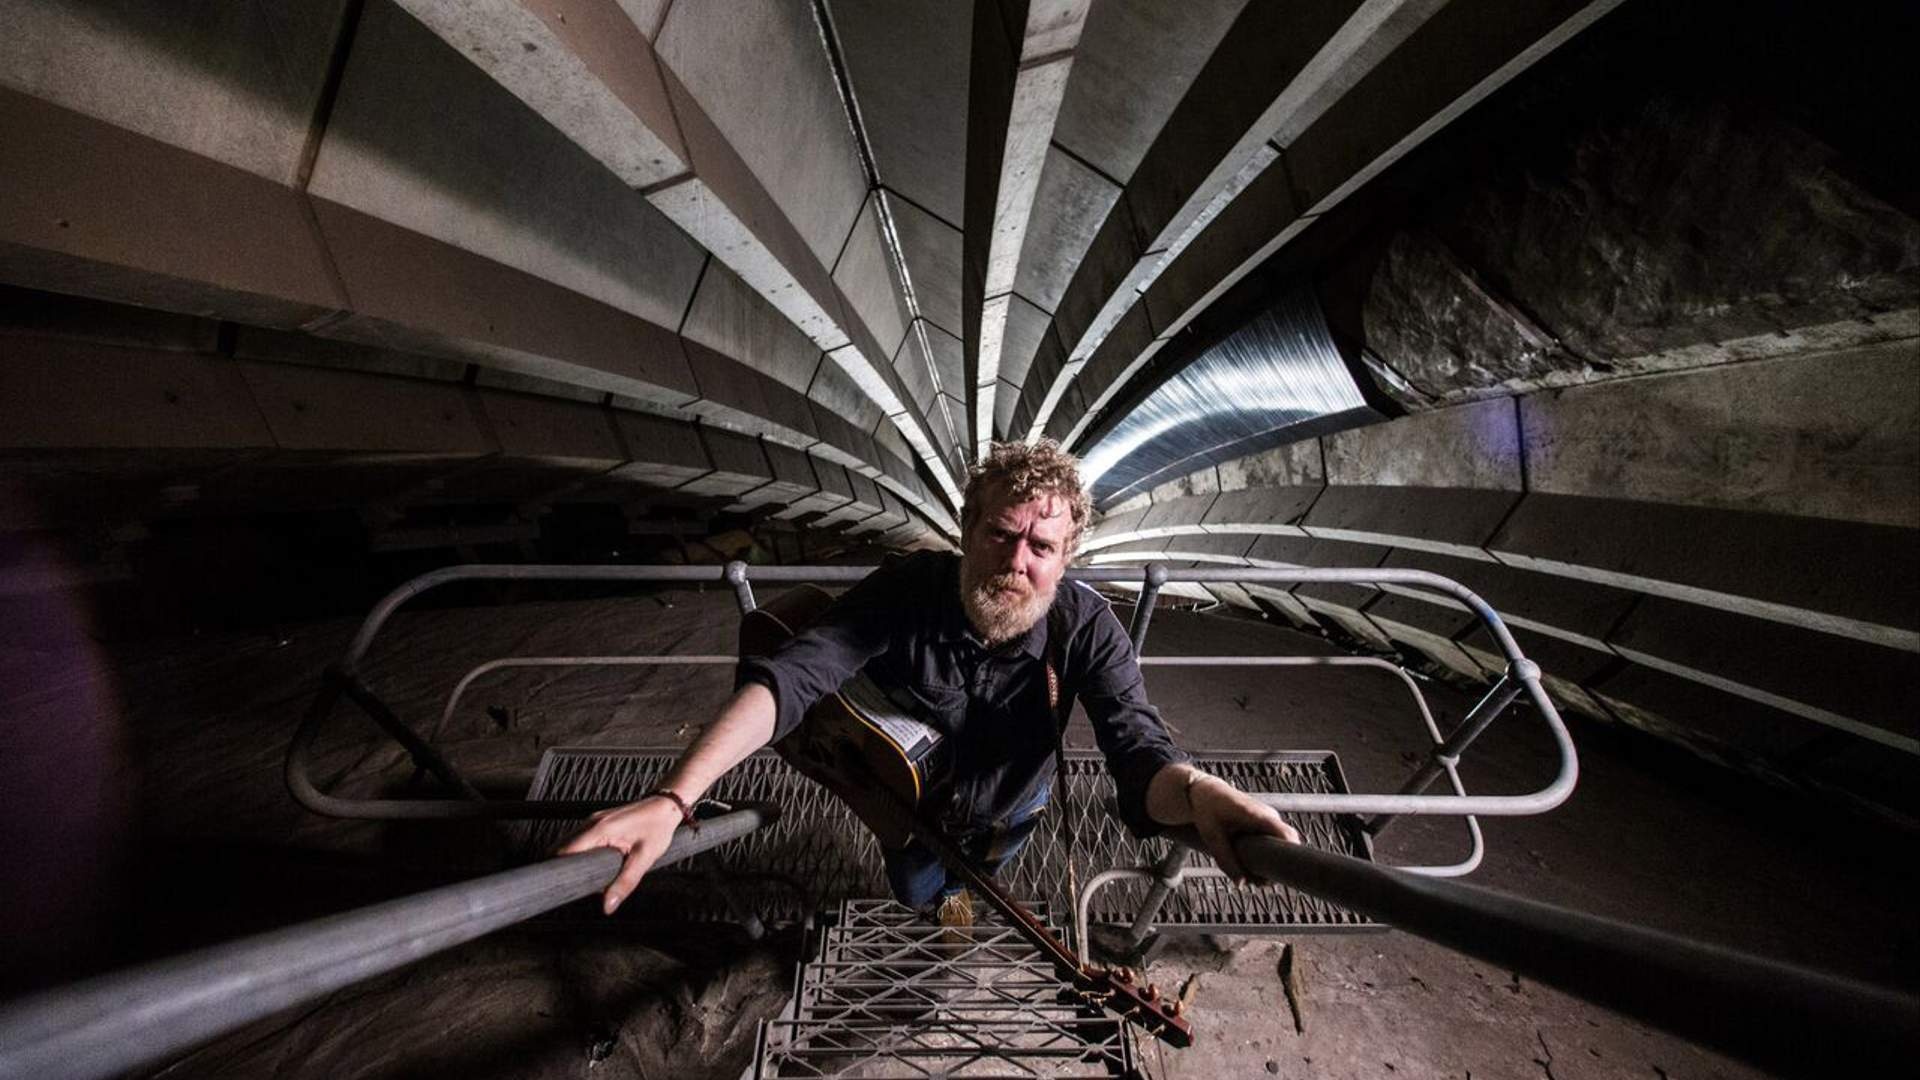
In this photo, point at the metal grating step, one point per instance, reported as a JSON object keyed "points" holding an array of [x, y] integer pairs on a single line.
{"points": [[896, 995], [858, 992], [927, 945], [871, 913], [818, 854], [935, 1047]]}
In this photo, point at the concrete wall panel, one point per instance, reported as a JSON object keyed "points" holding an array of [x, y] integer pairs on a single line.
{"points": [[1565, 608], [931, 249], [1467, 446], [865, 275], [1260, 510], [1455, 521], [1331, 554], [1103, 268], [534, 427], [236, 83], [1289, 465], [422, 138], [1134, 62], [760, 72], [909, 65], [792, 481], [82, 216], [1026, 326], [731, 318], [1459, 55], [1182, 514], [317, 409], [1069, 208], [1766, 565], [739, 464], [421, 295], [1709, 721], [255, 343], [662, 453], [1828, 436], [133, 398], [1850, 685], [789, 413]]}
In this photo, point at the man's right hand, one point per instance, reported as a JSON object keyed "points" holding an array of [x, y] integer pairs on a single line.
{"points": [[639, 830]]}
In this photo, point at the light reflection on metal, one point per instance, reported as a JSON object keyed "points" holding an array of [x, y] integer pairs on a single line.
{"points": [[1280, 370]]}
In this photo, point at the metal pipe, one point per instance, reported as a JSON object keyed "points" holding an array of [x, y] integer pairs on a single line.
{"points": [[1446, 755], [474, 674], [1778, 1016], [424, 756], [1083, 904], [1155, 577], [1166, 878], [105, 1026], [298, 775]]}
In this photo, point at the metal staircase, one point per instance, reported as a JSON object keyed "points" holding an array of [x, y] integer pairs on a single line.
{"points": [[892, 995]]}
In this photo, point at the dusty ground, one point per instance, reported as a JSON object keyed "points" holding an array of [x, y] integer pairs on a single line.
{"points": [[167, 825]]}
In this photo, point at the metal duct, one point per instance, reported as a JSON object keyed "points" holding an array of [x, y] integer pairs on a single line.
{"points": [[1277, 378]]}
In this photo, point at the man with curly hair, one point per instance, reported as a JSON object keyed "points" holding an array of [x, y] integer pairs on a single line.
{"points": [[969, 642]]}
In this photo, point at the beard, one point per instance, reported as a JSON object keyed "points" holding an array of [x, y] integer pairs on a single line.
{"points": [[1001, 607]]}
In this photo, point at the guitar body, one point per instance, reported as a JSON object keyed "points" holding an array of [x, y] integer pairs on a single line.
{"points": [[855, 742]]}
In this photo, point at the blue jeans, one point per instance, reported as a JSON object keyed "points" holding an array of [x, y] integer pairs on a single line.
{"points": [[918, 878]]}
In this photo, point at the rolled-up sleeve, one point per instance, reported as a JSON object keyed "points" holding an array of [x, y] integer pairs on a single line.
{"points": [[1127, 728], [816, 662]]}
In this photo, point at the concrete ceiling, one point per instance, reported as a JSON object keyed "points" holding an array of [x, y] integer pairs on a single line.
{"points": [[798, 261]]}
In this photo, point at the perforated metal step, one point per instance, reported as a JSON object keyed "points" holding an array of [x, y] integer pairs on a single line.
{"points": [[891, 994], [818, 854]]}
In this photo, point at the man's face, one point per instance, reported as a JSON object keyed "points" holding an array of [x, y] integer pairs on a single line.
{"points": [[1011, 560]]}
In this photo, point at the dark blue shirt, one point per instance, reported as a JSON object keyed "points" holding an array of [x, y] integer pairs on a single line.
{"points": [[904, 624]]}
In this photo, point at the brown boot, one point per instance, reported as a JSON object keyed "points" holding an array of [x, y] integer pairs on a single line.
{"points": [[956, 918]]}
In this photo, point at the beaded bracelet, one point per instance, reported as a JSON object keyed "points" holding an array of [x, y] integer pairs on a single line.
{"points": [[686, 812]]}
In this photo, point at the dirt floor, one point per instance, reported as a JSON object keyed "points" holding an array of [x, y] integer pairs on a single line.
{"points": [[146, 807]]}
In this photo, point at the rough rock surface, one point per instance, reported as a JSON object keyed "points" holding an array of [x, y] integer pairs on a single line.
{"points": [[1615, 248]]}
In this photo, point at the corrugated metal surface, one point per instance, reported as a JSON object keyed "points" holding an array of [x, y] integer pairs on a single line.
{"points": [[1280, 371]]}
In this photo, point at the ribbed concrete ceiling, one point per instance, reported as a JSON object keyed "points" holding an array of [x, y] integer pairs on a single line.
{"points": [[797, 261], [800, 188]]}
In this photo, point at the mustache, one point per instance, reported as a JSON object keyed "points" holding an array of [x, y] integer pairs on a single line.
{"points": [[1004, 581]]}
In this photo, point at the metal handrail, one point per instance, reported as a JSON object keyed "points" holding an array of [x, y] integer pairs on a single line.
{"points": [[1522, 675], [1779, 1016], [105, 1026]]}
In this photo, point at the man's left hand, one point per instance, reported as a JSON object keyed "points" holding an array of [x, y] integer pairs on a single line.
{"points": [[1222, 812]]}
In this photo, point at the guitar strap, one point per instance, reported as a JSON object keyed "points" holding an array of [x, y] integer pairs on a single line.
{"points": [[1060, 705]]}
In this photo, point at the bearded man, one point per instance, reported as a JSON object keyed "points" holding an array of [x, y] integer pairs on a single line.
{"points": [[967, 641]]}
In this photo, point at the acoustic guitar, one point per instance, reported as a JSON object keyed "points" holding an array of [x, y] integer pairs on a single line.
{"points": [[881, 761]]}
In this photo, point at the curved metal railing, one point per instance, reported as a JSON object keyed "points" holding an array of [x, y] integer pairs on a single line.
{"points": [[1522, 677]]}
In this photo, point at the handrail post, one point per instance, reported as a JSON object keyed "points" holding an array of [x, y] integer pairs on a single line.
{"points": [[1155, 577], [1501, 695], [1167, 874], [736, 575]]}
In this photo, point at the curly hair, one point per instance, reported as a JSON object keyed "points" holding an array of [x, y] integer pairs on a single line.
{"points": [[1018, 471]]}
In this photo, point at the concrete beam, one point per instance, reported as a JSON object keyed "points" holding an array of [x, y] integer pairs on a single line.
{"points": [[1045, 61], [1388, 71], [594, 76]]}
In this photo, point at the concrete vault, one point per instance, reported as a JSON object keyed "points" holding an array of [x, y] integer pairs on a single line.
{"points": [[1608, 310]]}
